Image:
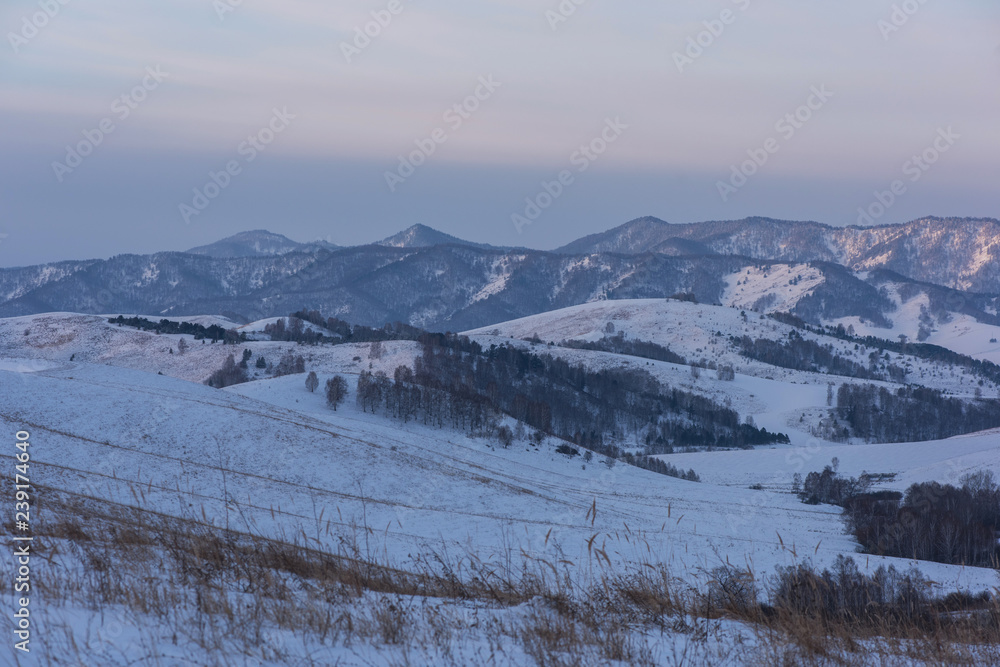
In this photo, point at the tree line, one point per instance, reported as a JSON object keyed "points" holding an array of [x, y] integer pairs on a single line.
{"points": [[618, 344], [294, 330], [931, 521], [461, 408], [908, 414], [800, 354], [197, 331]]}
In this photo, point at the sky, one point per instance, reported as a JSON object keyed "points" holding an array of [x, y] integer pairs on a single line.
{"points": [[141, 126]]}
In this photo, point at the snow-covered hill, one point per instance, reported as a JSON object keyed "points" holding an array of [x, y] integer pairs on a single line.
{"points": [[771, 289], [916, 318], [281, 450], [114, 415], [701, 333]]}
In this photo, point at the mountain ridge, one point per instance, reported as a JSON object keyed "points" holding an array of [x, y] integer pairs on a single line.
{"points": [[961, 253], [458, 285]]}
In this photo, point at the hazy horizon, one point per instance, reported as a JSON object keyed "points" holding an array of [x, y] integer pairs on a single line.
{"points": [[823, 108]]}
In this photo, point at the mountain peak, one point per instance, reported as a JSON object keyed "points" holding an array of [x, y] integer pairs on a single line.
{"points": [[256, 243], [422, 236], [634, 236]]}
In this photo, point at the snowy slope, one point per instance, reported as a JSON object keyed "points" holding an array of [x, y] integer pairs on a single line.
{"points": [[688, 329], [956, 331], [771, 289], [693, 331], [270, 427], [269, 457], [280, 458], [60, 337]]}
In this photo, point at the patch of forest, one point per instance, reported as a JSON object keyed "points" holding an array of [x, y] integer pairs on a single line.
{"points": [[906, 414], [294, 330], [800, 354], [588, 407], [618, 344], [214, 333], [931, 521], [425, 396]]}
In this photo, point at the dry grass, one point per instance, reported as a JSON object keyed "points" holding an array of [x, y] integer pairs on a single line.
{"points": [[231, 597]]}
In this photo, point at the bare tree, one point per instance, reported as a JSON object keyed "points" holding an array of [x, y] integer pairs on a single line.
{"points": [[375, 350], [182, 346], [289, 364], [228, 375], [312, 381], [336, 391]]}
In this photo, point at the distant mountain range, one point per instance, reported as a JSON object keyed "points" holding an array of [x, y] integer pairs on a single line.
{"points": [[963, 253], [437, 281], [262, 243]]}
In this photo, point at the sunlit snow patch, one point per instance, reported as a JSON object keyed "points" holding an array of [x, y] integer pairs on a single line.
{"points": [[771, 289]]}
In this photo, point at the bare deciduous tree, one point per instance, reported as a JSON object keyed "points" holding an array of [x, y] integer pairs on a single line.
{"points": [[228, 375], [336, 391]]}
